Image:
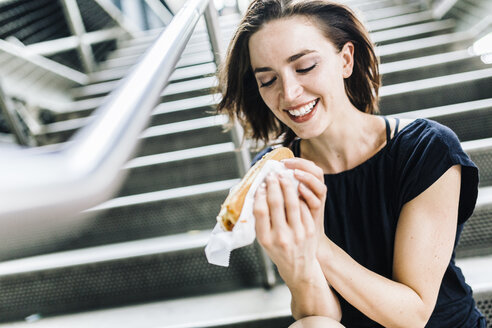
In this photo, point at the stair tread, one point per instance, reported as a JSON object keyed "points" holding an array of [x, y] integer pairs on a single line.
{"points": [[216, 310], [447, 109], [412, 30], [391, 22], [422, 43], [435, 82], [162, 195], [425, 61], [199, 311], [104, 253]]}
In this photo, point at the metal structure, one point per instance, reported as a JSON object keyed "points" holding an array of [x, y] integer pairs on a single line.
{"points": [[85, 172]]}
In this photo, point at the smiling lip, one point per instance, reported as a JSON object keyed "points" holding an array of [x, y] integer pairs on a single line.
{"points": [[303, 118]]}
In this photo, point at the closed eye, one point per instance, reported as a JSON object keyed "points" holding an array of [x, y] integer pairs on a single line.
{"points": [[268, 83], [305, 70]]}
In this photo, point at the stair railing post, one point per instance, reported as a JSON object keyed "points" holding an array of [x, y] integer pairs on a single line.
{"points": [[76, 24], [7, 108], [118, 17], [160, 11], [243, 154]]}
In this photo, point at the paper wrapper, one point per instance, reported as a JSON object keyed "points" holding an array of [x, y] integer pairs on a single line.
{"points": [[221, 242]]}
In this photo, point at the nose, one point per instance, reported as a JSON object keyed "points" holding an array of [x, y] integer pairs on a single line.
{"points": [[291, 88]]}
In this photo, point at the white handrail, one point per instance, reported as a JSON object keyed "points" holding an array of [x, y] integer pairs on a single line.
{"points": [[42, 184]]}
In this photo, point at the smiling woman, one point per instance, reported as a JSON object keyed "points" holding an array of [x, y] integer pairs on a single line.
{"points": [[295, 86], [367, 238], [238, 77]]}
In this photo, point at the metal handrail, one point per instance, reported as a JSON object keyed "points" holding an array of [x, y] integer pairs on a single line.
{"points": [[41, 184]]}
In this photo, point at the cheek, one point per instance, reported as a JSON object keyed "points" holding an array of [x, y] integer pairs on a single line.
{"points": [[268, 99]]}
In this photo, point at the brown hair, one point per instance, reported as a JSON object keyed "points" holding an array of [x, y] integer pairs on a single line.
{"points": [[240, 95]]}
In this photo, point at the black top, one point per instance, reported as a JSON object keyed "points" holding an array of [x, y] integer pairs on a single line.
{"points": [[363, 205]]}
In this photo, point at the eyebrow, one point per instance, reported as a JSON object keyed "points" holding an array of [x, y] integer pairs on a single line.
{"points": [[289, 60]]}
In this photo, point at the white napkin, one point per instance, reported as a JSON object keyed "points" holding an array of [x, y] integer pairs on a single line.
{"points": [[221, 242]]}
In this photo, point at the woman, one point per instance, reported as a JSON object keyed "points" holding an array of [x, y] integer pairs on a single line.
{"points": [[368, 238]]}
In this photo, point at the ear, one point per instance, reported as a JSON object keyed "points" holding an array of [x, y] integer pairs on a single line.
{"points": [[347, 56]]}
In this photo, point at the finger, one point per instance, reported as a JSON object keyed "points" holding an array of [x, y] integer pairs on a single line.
{"points": [[313, 201], [307, 219], [261, 213], [317, 186], [291, 200], [304, 165], [275, 202]]}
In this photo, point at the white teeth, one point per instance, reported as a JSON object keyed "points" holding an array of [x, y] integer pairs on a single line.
{"points": [[306, 109]]}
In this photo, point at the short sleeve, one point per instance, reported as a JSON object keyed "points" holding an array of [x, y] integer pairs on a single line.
{"points": [[260, 155], [425, 153]]}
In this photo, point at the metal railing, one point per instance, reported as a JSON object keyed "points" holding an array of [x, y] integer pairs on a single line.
{"points": [[39, 184]]}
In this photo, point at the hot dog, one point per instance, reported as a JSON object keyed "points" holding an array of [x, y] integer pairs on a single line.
{"points": [[233, 204]]}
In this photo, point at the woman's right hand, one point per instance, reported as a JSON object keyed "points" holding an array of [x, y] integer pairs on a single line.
{"points": [[312, 189], [286, 229]]}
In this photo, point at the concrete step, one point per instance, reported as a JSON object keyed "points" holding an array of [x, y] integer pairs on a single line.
{"points": [[398, 10], [79, 108], [413, 32], [183, 135], [470, 120], [480, 152], [186, 60], [424, 46], [179, 169], [121, 274], [190, 88], [184, 109], [437, 91], [252, 308], [105, 81], [476, 238], [430, 66], [364, 6], [187, 82], [399, 21], [153, 214], [255, 307], [165, 113]]}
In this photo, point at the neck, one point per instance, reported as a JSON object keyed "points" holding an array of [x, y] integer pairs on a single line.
{"points": [[352, 138]]}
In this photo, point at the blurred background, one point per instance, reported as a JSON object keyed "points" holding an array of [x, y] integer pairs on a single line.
{"points": [[113, 166]]}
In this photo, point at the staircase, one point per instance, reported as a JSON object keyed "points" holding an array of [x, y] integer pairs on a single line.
{"points": [[137, 260]]}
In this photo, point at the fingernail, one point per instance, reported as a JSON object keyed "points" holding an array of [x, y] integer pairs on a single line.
{"points": [[298, 173], [261, 189]]}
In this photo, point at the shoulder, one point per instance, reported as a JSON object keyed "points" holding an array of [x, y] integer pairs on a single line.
{"points": [[426, 143], [424, 133], [422, 152]]}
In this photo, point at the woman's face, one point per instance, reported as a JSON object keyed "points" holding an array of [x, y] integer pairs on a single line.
{"points": [[300, 74]]}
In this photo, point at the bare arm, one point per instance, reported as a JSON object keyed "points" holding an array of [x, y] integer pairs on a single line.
{"points": [[423, 246], [285, 228]]}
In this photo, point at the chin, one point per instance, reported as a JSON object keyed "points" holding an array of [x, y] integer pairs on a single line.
{"points": [[307, 134]]}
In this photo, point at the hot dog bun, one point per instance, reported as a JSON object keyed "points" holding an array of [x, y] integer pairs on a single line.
{"points": [[233, 204]]}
